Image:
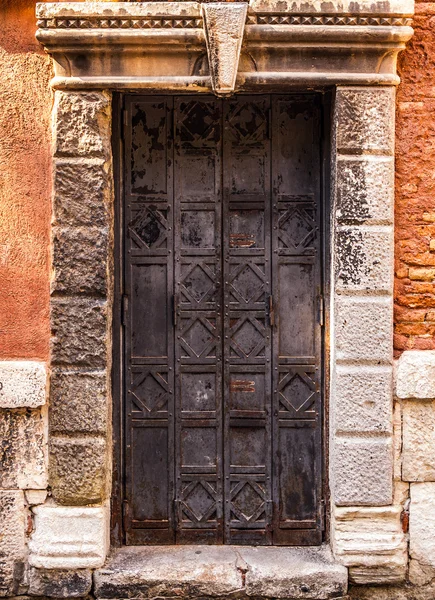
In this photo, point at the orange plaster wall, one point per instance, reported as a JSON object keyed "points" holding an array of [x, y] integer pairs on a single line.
{"points": [[415, 188], [25, 177]]}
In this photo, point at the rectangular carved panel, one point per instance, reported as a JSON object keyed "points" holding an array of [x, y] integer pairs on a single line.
{"points": [[297, 340], [148, 335]]}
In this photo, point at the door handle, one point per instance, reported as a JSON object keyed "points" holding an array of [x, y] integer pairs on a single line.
{"points": [[271, 312]]}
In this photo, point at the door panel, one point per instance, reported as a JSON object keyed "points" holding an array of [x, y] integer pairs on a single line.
{"points": [[247, 340], [149, 339], [223, 341], [198, 330], [297, 338]]}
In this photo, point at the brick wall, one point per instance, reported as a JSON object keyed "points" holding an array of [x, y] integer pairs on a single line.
{"points": [[415, 188]]}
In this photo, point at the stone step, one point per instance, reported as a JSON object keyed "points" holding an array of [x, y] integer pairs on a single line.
{"points": [[203, 572]]}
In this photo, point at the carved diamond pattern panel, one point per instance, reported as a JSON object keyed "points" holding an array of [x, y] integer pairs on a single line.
{"points": [[297, 228], [297, 393], [198, 122], [198, 502], [247, 284], [248, 502], [149, 394], [247, 337], [198, 336], [149, 229], [222, 270], [198, 284], [248, 123]]}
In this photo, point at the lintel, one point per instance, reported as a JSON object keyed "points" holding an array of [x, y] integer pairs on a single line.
{"points": [[163, 46]]}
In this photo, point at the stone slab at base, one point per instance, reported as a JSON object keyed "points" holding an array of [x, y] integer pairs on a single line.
{"points": [[68, 537], [221, 571]]}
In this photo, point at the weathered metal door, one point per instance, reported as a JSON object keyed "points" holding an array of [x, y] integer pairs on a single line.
{"points": [[222, 320]]}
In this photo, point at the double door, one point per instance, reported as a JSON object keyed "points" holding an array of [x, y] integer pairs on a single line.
{"points": [[222, 320]]}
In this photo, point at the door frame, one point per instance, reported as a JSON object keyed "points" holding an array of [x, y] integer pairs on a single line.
{"points": [[358, 58], [118, 504]]}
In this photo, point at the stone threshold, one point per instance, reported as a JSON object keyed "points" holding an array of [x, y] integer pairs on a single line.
{"points": [[221, 572]]}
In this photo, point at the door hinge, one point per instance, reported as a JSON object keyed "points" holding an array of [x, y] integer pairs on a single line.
{"points": [[322, 511], [124, 122], [124, 309], [321, 311], [271, 312], [173, 124]]}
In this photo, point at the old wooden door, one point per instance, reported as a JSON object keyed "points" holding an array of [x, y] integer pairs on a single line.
{"points": [[222, 320]]}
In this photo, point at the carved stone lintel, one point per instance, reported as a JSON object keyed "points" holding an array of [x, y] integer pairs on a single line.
{"points": [[224, 25], [260, 46]]}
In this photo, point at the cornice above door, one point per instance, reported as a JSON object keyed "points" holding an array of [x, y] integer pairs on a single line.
{"points": [[167, 46]]}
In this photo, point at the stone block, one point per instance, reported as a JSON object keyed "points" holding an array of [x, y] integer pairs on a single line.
{"points": [[418, 450], [12, 541], [78, 470], [362, 398], [80, 260], [401, 493], [59, 583], [365, 190], [221, 572], [34, 497], [422, 533], [293, 573], [362, 471], [365, 120], [168, 572], [415, 374], [81, 194], [69, 537], [22, 383], [79, 328], [79, 402], [364, 329], [23, 449], [370, 541], [82, 122], [364, 259]]}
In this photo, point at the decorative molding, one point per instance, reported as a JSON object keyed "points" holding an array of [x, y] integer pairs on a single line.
{"points": [[163, 23], [177, 23], [162, 46], [322, 20]]}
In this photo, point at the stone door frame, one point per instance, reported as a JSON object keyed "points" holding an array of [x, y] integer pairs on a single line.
{"points": [[97, 50]]}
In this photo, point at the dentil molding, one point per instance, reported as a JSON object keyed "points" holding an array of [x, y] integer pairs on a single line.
{"points": [[188, 46]]}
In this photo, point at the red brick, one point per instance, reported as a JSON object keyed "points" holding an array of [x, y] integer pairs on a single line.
{"points": [[402, 315]]}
